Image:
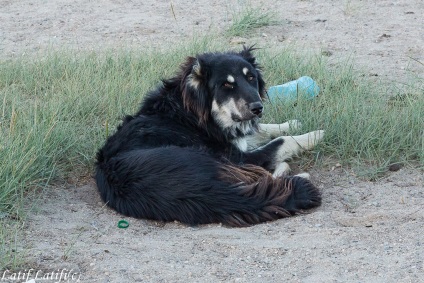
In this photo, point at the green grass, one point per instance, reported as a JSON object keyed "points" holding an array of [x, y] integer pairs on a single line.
{"points": [[56, 111], [58, 108], [368, 125], [248, 19]]}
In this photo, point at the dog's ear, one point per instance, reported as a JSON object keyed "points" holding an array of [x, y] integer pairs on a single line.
{"points": [[194, 87], [247, 54]]}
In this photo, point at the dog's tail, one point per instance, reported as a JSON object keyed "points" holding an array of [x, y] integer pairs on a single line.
{"points": [[190, 186], [272, 198]]}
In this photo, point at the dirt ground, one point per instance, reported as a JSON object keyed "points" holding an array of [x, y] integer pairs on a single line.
{"points": [[364, 231]]}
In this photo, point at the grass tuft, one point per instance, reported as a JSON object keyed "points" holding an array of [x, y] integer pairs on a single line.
{"points": [[248, 19]]}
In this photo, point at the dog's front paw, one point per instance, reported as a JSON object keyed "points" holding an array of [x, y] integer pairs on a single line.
{"points": [[293, 145], [281, 170], [304, 175], [307, 141], [312, 139]]}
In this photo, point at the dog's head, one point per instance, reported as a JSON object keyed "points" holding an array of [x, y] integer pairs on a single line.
{"points": [[226, 87]]}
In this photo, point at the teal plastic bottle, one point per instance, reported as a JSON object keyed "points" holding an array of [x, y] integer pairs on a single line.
{"points": [[304, 87]]}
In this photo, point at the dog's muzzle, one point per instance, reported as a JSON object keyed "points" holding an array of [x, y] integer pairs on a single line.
{"points": [[256, 108]]}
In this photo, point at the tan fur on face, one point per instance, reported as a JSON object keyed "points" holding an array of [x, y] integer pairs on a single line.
{"points": [[223, 113]]}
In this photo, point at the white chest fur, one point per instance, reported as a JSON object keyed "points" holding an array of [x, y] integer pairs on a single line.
{"points": [[241, 144]]}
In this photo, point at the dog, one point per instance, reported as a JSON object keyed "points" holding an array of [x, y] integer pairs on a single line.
{"points": [[196, 153]]}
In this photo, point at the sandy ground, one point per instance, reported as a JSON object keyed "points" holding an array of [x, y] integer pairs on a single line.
{"points": [[364, 231]]}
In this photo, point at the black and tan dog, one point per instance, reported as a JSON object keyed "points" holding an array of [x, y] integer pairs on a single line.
{"points": [[195, 151]]}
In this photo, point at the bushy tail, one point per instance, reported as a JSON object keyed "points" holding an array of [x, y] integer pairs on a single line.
{"points": [[166, 184], [274, 197]]}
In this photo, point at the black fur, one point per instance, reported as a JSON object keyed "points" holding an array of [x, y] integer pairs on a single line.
{"points": [[175, 159]]}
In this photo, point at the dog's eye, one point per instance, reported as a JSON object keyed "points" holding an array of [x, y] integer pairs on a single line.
{"points": [[228, 85], [250, 78]]}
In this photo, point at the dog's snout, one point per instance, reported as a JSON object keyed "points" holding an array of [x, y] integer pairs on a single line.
{"points": [[256, 108]]}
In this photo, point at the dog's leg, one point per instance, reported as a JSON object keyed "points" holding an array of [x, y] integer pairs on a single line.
{"points": [[268, 132], [293, 145], [278, 129], [304, 175], [272, 155], [282, 169]]}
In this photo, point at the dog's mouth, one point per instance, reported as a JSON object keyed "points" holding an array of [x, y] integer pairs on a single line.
{"points": [[236, 118], [249, 116], [232, 113], [249, 111]]}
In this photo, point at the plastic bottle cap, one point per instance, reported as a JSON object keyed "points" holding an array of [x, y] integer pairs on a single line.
{"points": [[123, 224]]}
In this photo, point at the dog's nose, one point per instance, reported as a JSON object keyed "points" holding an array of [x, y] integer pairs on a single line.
{"points": [[256, 108]]}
